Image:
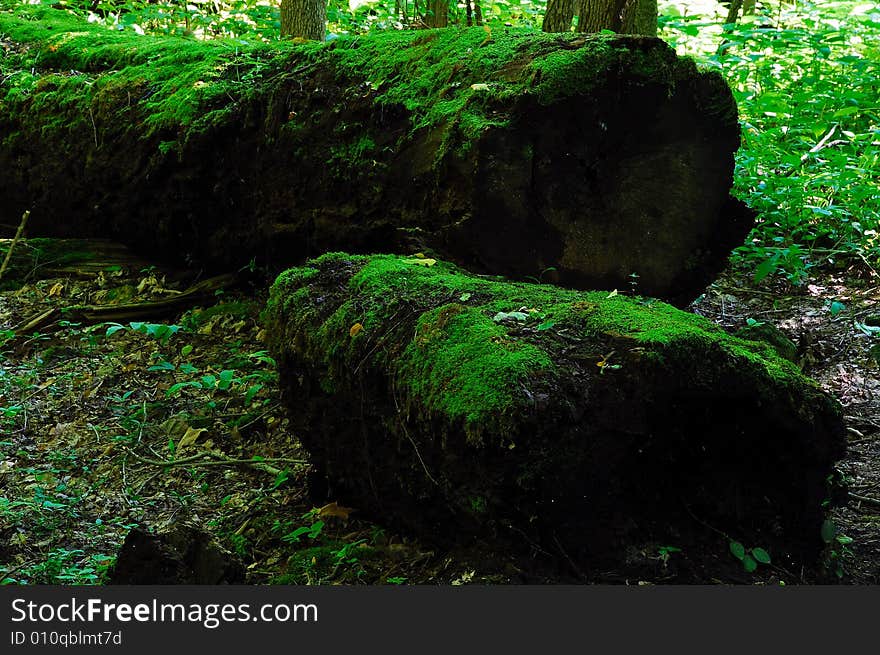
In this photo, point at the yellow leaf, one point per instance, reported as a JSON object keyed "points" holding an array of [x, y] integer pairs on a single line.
{"points": [[612, 294], [355, 330], [332, 509], [56, 289], [427, 261], [480, 87], [189, 437], [419, 255]]}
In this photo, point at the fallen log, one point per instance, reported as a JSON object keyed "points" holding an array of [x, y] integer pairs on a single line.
{"points": [[32, 259], [591, 161], [453, 406], [202, 291]]}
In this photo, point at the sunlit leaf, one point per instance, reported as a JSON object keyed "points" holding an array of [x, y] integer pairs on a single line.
{"points": [[737, 549], [761, 555]]}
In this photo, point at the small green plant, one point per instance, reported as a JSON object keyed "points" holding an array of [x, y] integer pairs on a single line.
{"points": [[159, 331], [664, 553], [750, 558], [312, 531], [837, 548]]}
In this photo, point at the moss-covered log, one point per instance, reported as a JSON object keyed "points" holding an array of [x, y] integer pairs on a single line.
{"points": [[598, 156], [456, 405]]}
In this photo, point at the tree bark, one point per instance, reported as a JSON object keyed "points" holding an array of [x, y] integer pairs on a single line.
{"points": [[621, 16], [579, 160], [437, 13], [305, 19], [536, 416], [558, 16]]}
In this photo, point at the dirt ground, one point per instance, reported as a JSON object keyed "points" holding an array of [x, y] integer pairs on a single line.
{"points": [[110, 425]]}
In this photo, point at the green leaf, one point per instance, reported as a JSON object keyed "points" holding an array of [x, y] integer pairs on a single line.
{"points": [[765, 268], [828, 531], [761, 555], [749, 564], [836, 307], [464, 297], [226, 377], [738, 550], [546, 325]]}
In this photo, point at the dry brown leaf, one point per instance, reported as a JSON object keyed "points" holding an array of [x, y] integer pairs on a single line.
{"points": [[332, 509]]}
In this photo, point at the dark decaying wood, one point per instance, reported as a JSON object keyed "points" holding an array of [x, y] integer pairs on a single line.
{"points": [[456, 408]]}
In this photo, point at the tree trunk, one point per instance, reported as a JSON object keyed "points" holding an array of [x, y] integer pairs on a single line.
{"points": [[579, 160], [582, 422], [306, 19], [437, 13], [558, 15], [621, 16]]}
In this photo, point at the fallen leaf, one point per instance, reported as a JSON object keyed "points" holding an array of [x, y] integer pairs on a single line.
{"points": [[355, 330], [56, 289], [189, 437], [612, 294], [427, 261], [332, 509], [507, 316], [480, 87]]}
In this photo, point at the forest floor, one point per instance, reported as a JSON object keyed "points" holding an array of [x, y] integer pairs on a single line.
{"points": [[108, 426]]}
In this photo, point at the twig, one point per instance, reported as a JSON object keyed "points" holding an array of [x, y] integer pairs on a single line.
{"points": [[24, 219], [198, 460], [865, 500]]}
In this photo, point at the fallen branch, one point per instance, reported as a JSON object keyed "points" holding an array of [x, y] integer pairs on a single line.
{"points": [[15, 239], [220, 460], [865, 500]]}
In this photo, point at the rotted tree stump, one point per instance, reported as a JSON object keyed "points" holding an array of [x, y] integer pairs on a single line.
{"points": [[583, 158], [455, 406]]}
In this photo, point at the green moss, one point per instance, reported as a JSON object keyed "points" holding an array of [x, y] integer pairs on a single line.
{"points": [[463, 361], [171, 85], [456, 79]]}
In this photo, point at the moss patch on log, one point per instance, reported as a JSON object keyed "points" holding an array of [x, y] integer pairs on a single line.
{"points": [[463, 404], [188, 84], [478, 340]]}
